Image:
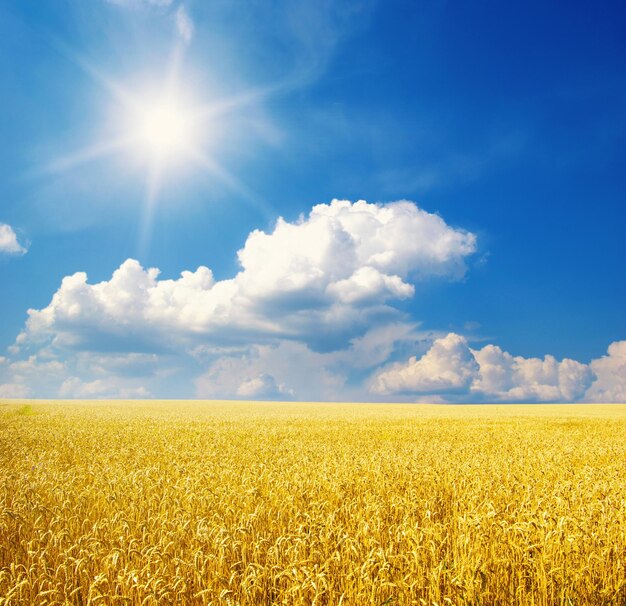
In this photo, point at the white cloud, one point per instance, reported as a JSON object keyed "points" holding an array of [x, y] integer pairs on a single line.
{"points": [[34, 365], [82, 374], [34, 374], [288, 370], [262, 386], [507, 378], [184, 25], [8, 241], [610, 370], [451, 366], [368, 283], [128, 365], [73, 387], [14, 390], [324, 279], [339, 244], [447, 366], [311, 315], [301, 373], [377, 345]]}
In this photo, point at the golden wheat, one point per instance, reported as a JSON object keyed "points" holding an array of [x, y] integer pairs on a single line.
{"points": [[235, 503]]}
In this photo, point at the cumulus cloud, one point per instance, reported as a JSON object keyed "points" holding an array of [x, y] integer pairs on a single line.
{"points": [[378, 344], [312, 314], [36, 374], [301, 373], [75, 388], [286, 370], [262, 386], [81, 375], [450, 366], [34, 365], [14, 390], [447, 366], [508, 378], [323, 279], [8, 241], [610, 370]]}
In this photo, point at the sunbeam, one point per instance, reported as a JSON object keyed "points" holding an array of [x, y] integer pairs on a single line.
{"points": [[153, 182], [89, 154], [211, 166]]}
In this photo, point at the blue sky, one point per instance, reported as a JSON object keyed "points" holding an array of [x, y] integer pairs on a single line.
{"points": [[485, 141]]}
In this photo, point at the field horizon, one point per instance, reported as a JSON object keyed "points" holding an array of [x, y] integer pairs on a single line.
{"points": [[616, 406]]}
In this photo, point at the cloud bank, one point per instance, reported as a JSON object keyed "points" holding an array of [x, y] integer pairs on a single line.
{"points": [[312, 314]]}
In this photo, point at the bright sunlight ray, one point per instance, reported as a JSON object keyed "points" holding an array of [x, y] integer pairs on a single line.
{"points": [[91, 153], [210, 165]]}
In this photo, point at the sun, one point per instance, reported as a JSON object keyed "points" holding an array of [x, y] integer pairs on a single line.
{"points": [[159, 125], [162, 128]]}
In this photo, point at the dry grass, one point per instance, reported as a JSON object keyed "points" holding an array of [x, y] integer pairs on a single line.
{"points": [[233, 503]]}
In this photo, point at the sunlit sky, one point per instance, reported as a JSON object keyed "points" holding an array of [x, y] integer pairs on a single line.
{"points": [[360, 201]]}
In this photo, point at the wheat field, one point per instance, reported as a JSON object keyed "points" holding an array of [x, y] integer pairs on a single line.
{"points": [[145, 503]]}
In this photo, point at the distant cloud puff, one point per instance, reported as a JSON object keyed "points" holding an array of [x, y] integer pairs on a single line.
{"points": [[450, 366], [8, 241], [14, 390], [283, 371], [507, 378], [610, 370], [73, 387], [262, 386]]}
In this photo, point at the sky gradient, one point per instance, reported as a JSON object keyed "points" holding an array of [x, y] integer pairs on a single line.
{"points": [[385, 201]]}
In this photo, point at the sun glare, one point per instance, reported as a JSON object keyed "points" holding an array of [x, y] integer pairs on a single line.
{"points": [[162, 128]]}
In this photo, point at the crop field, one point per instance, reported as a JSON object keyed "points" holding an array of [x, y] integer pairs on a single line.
{"points": [[145, 503]]}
